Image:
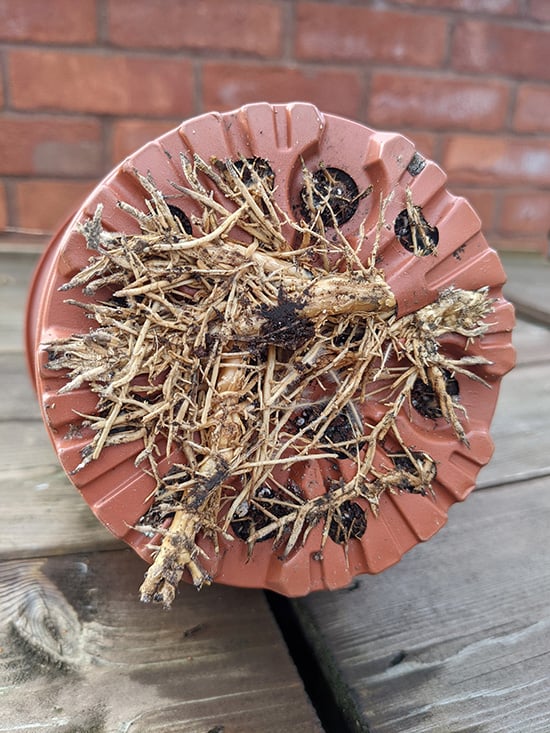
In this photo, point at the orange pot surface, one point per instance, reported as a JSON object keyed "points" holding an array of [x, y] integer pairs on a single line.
{"points": [[289, 137]]}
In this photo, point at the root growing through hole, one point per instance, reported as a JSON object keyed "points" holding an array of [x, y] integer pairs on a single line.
{"points": [[235, 352]]}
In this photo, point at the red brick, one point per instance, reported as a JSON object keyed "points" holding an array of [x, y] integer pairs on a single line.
{"points": [[532, 112], [489, 48], [437, 103], [482, 201], [226, 86], [54, 21], [344, 33], [525, 212], [43, 205], [494, 7], [539, 10], [3, 208], [504, 162], [129, 135], [117, 84], [50, 146], [222, 25]]}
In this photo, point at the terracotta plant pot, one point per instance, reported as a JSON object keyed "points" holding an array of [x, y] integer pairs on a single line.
{"points": [[428, 247]]}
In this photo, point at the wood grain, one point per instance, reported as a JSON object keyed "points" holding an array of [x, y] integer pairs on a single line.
{"points": [[19, 401], [532, 342], [15, 275], [521, 427], [528, 285], [456, 637], [81, 653], [42, 512]]}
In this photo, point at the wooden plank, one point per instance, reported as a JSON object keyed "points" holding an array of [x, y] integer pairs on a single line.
{"points": [[15, 274], [42, 513], [81, 653], [532, 342], [19, 401], [456, 637], [521, 427], [528, 285]]}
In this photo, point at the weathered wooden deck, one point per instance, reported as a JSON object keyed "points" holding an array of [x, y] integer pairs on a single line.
{"points": [[456, 637]]}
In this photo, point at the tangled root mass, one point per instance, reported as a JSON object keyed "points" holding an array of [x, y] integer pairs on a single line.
{"points": [[239, 343]]}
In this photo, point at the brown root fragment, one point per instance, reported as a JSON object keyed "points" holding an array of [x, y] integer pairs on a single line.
{"points": [[178, 553]]}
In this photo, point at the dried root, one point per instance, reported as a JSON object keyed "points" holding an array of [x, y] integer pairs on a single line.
{"points": [[238, 343]]}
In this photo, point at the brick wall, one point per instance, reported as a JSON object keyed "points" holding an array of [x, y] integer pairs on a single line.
{"points": [[83, 83]]}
